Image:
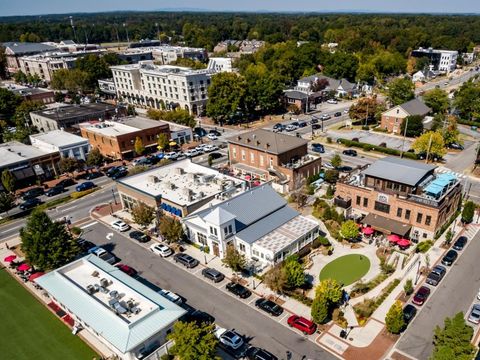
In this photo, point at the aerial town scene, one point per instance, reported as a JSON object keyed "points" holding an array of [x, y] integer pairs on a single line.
{"points": [[256, 180]]}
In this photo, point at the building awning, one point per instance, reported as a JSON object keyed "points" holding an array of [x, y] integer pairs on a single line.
{"points": [[386, 225], [249, 169]]}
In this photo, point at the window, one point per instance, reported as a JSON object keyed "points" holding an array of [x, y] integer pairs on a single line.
{"points": [[399, 212], [261, 160], [428, 220], [202, 239], [234, 152], [419, 218], [359, 199], [213, 231], [382, 207], [365, 202], [252, 157], [230, 229], [407, 214], [241, 247], [243, 154]]}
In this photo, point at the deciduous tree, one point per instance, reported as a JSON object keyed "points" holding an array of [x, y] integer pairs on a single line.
{"points": [[193, 341], [467, 100], [366, 109], [7, 202], [163, 142], [294, 272], [320, 309], [171, 229], [437, 100], [143, 214], [349, 230], [8, 180], [95, 158], [276, 279], [8, 103], [430, 142], [234, 259], [330, 289], [394, 318], [400, 91], [139, 148], [414, 124], [226, 95], [336, 161], [468, 212], [68, 165], [454, 340]]}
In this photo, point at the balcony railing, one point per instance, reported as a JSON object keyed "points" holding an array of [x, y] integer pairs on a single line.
{"points": [[343, 203]]}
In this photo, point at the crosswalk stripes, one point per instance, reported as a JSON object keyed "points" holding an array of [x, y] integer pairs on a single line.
{"points": [[448, 171]]}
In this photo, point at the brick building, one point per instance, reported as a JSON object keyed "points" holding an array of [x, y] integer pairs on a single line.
{"points": [[267, 156], [400, 196], [393, 118], [116, 139]]}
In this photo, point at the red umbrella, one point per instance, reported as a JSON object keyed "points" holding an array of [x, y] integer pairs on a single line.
{"points": [[403, 242], [10, 258], [368, 230], [36, 275], [247, 177], [393, 238], [23, 267]]}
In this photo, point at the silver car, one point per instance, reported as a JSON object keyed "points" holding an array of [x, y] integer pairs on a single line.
{"points": [[474, 316]]}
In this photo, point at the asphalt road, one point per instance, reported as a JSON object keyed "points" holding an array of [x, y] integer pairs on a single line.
{"points": [[456, 293], [228, 311]]}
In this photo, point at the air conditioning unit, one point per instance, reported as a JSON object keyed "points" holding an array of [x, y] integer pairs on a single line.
{"points": [[104, 282]]}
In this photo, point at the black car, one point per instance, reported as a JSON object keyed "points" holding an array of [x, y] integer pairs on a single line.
{"points": [[186, 260], [460, 243], [212, 274], [199, 131], [119, 174], [57, 189], [85, 244], [239, 290], [215, 155], [337, 114], [302, 124], [318, 148], [66, 182], [344, 168], [436, 275], [255, 353], [313, 121], [199, 317], [215, 132], [110, 172], [30, 204], [277, 126], [350, 152], [269, 307], [455, 146], [32, 193], [449, 258], [93, 175], [139, 236], [409, 313], [316, 126]]}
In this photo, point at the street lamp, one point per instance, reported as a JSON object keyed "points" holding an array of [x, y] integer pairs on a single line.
{"points": [[418, 272], [114, 198], [126, 29]]}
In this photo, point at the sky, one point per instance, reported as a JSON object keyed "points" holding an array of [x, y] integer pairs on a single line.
{"points": [[37, 7]]}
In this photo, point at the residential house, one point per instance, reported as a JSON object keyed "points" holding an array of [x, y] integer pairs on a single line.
{"points": [[393, 118]]}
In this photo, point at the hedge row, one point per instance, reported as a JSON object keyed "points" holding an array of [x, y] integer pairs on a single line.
{"points": [[370, 147]]}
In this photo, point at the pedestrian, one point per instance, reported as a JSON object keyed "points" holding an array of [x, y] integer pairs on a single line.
{"points": [[8, 247]]}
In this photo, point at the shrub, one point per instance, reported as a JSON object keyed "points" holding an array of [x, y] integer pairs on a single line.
{"points": [[365, 127], [78, 194], [329, 140], [339, 319], [408, 287], [323, 241], [424, 246], [76, 230]]}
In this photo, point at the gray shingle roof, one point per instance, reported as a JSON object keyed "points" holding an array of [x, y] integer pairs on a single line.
{"points": [[403, 171], [333, 84], [20, 48], [294, 94], [268, 141], [415, 107]]}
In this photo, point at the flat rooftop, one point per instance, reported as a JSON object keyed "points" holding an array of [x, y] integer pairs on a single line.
{"points": [[121, 126], [182, 182], [119, 308], [15, 152], [73, 111], [59, 138], [268, 141], [149, 67], [24, 90]]}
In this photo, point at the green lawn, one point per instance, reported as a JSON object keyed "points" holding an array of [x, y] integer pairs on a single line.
{"points": [[30, 331], [346, 269]]}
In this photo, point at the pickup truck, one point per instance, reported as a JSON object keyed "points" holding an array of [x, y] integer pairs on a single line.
{"points": [[103, 254]]}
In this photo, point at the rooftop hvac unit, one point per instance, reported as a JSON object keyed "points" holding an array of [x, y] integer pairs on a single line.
{"points": [[104, 282], [95, 273], [91, 289], [178, 171], [153, 179]]}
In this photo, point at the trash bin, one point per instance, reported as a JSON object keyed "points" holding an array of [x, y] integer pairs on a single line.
{"points": [[343, 334]]}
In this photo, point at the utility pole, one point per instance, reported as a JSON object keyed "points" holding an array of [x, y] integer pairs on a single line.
{"points": [[73, 28], [404, 137], [158, 31], [366, 118], [428, 148], [126, 29]]}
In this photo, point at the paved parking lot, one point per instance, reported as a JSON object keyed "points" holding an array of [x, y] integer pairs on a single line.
{"points": [[372, 138]]}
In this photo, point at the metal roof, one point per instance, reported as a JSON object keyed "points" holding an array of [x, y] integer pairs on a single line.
{"points": [[403, 171], [219, 216], [268, 141], [20, 48], [122, 334], [415, 107]]}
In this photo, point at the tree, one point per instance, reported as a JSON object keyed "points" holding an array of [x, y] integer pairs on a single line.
{"points": [[95, 158], [319, 310], [294, 272], [46, 243], [349, 230], [341, 65], [7, 202], [68, 165], [234, 259], [193, 341], [331, 176], [3, 63], [171, 229], [226, 95], [264, 89], [8, 180], [137, 170], [414, 124], [8, 103], [437, 100], [139, 148], [394, 318], [450, 132], [336, 161], [330, 289], [163, 142], [178, 116], [467, 100], [468, 212], [454, 340], [276, 279], [366, 109], [430, 142], [74, 80], [400, 91], [449, 236], [143, 214]]}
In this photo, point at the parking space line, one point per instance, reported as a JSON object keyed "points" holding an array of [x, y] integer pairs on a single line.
{"points": [[284, 317], [255, 298], [88, 225]]}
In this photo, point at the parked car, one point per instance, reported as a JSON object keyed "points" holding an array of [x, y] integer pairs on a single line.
{"points": [[269, 306], [213, 274], [141, 161], [85, 186], [30, 204], [66, 182], [449, 258], [127, 269], [291, 127], [85, 244], [350, 152], [332, 101], [421, 296], [161, 249], [455, 146], [103, 254], [328, 165], [186, 260], [32, 193], [409, 312], [337, 114], [325, 117], [316, 126], [212, 136], [302, 124], [93, 175], [436, 275], [120, 225], [229, 338], [474, 316], [255, 353], [199, 131], [238, 290], [314, 121], [139, 236], [172, 155], [112, 171], [170, 295], [318, 148], [344, 168], [215, 155], [200, 317], [120, 173], [478, 295], [215, 132], [304, 325], [54, 191], [460, 243], [192, 153]]}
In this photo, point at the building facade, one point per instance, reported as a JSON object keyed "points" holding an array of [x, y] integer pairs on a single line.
{"points": [[269, 156], [393, 118], [44, 96], [401, 196], [67, 144], [15, 50], [444, 61]]}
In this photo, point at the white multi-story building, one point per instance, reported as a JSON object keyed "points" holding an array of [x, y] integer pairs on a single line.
{"points": [[220, 64], [444, 61], [162, 86], [67, 144]]}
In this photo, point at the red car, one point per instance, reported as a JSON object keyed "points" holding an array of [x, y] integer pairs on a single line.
{"points": [[421, 295], [302, 324], [127, 269]]}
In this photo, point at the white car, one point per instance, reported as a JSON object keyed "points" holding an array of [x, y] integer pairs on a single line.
{"points": [[192, 153], [332, 101], [328, 165], [325, 117], [161, 249], [212, 136], [170, 295], [474, 316], [210, 148], [229, 338], [291, 127], [346, 111], [120, 225], [171, 155]]}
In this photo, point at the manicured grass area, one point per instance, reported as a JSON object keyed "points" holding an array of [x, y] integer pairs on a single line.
{"points": [[346, 269], [30, 331]]}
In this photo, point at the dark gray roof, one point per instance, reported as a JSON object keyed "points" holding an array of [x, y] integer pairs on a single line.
{"points": [[294, 94], [385, 224], [408, 172], [415, 107], [268, 141], [73, 111], [333, 84], [20, 48]]}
